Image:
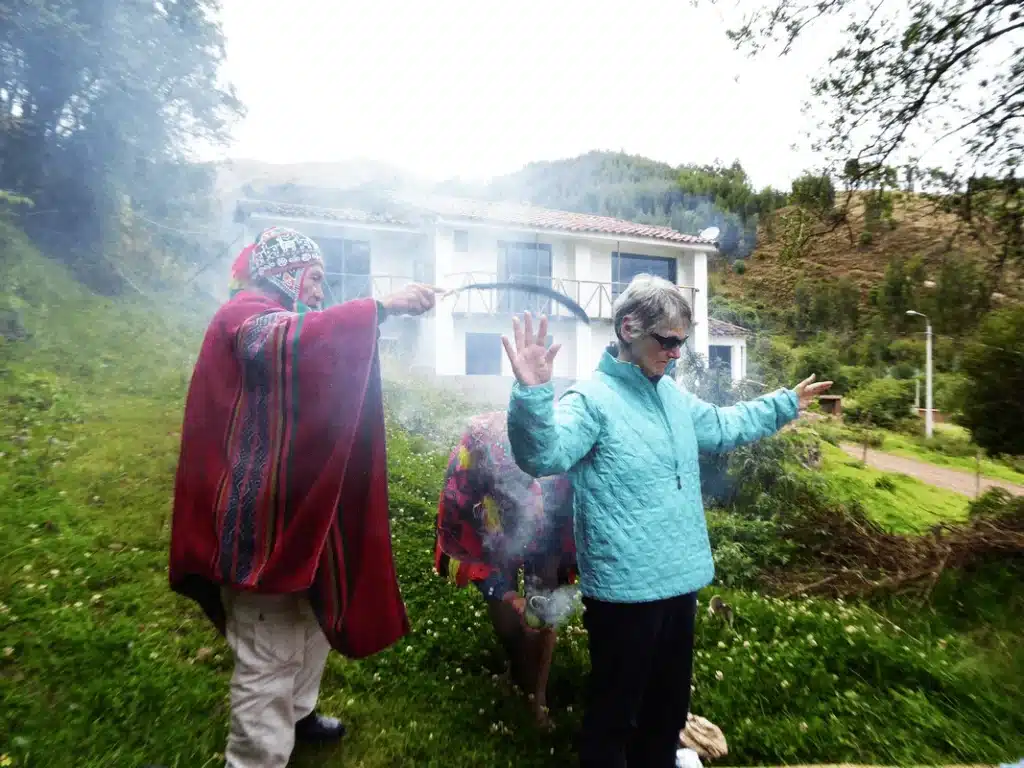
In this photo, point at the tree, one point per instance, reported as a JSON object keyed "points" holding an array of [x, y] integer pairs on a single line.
{"points": [[814, 192], [912, 73], [993, 408], [101, 104]]}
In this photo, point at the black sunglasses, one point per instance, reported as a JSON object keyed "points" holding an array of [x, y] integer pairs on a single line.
{"points": [[669, 343]]}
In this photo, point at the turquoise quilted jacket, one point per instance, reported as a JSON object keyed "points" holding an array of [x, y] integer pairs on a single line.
{"points": [[630, 448]]}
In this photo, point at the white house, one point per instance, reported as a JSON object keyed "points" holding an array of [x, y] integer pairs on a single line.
{"points": [[727, 347], [453, 242]]}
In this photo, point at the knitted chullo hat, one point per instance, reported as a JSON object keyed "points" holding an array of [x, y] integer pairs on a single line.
{"points": [[279, 260]]}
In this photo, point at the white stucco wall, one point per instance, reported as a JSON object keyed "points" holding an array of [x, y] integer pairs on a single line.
{"points": [[563, 333], [437, 341]]}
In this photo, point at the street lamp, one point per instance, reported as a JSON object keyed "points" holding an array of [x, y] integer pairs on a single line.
{"points": [[927, 373]]}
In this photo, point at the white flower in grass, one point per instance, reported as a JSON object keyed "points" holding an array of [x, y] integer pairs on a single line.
{"points": [[719, 675]]}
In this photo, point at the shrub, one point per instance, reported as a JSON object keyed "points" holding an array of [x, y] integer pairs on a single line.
{"points": [[739, 266], [994, 364], [997, 503], [821, 359], [949, 392], [770, 359], [814, 192], [856, 376], [882, 403], [885, 483], [743, 547]]}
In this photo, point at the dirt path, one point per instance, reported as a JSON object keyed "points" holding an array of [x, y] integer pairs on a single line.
{"points": [[941, 477]]}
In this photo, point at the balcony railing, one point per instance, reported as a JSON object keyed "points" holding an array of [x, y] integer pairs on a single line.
{"points": [[596, 298]]}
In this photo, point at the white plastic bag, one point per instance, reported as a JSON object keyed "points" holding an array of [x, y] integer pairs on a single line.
{"points": [[687, 758]]}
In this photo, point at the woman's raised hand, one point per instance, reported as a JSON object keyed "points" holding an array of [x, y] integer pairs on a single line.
{"points": [[807, 391], [532, 362]]}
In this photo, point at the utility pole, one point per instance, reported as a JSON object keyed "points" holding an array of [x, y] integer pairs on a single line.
{"points": [[928, 426]]}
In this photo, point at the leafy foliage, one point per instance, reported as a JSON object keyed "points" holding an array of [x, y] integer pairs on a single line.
{"points": [[994, 366], [821, 359], [908, 75], [688, 198], [910, 70], [881, 403], [815, 193], [102, 104]]}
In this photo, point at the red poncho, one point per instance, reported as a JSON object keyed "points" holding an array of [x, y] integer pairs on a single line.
{"points": [[282, 479]]}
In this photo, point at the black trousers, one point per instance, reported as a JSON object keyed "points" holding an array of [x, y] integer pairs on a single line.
{"points": [[641, 657]]}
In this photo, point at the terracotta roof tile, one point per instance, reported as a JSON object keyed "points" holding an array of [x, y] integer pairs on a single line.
{"points": [[313, 212], [722, 328], [546, 218], [497, 212]]}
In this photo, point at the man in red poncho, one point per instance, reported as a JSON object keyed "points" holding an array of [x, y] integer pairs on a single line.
{"points": [[280, 528]]}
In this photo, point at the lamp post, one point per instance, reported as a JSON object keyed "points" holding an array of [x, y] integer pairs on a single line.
{"points": [[927, 373]]}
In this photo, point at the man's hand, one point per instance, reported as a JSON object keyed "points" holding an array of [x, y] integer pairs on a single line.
{"points": [[413, 299], [807, 391], [532, 362]]}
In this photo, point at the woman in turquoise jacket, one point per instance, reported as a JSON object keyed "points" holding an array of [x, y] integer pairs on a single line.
{"points": [[629, 440]]}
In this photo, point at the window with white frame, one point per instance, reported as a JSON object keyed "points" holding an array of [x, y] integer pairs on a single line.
{"points": [[626, 266], [528, 263], [346, 269], [720, 358]]}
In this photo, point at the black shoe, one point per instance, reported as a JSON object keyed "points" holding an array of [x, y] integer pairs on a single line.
{"points": [[315, 727]]}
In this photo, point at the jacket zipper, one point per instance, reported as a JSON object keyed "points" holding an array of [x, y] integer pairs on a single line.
{"points": [[671, 437]]}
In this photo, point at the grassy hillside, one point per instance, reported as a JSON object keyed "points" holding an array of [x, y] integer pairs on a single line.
{"points": [[102, 666], [791, 246]]}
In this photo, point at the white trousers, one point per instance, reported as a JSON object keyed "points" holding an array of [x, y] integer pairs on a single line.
{"points": [[280, 652]]}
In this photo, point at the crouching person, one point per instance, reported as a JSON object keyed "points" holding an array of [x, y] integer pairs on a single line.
{"points": [[280, 525], [494, 522]]}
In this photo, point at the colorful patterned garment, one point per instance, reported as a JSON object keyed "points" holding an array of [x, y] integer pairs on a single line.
{"points": [[282, 479], [493, 518], [278, 259]]}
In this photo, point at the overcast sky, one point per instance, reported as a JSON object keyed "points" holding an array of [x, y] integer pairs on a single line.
{"points": [[476, 89]]}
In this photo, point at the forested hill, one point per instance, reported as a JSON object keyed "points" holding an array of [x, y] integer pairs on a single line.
{"points": [[688, 197]]}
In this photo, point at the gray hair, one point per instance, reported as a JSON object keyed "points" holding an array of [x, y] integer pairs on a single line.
{"points": [[653, 302]]}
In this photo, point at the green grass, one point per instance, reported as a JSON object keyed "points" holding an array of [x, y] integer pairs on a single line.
{"points": [[913, 448], [102, 666], [901, 503], [950, 447]]}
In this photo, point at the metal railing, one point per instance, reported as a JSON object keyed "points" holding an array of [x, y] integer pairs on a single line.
{"points": [[597, 298]]}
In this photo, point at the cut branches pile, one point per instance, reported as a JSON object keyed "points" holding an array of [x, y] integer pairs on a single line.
{"points": [[855, 557]]}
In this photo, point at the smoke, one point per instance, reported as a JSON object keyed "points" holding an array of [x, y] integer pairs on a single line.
{"points": [[553, 606]]}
